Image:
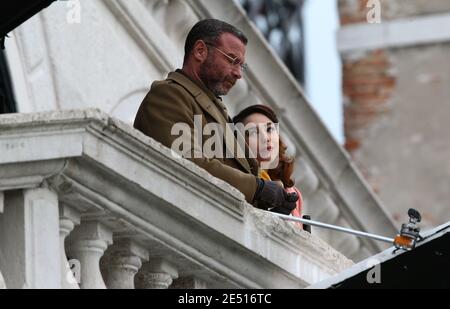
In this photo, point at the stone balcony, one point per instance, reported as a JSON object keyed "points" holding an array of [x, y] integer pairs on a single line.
{"points": [[127, 213], [145, 40]]}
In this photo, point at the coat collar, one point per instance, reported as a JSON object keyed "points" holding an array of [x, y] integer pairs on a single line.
{"points": [[211, 105], [203, 95]]}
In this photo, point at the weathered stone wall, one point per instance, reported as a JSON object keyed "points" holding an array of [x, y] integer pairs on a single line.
{"points": [[397, 112]]}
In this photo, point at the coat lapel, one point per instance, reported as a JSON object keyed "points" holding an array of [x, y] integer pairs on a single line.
{"points": [[208, 105]]}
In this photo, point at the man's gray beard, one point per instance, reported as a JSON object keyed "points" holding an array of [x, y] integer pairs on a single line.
{"points": [[214, 87], [216, 90]]}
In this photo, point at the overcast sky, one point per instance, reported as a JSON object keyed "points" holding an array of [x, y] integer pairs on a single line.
{"points": [[323, 66]]}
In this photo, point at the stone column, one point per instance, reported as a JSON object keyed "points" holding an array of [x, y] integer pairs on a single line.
{"points": [[29, 239], [156, 274], [87, 243], [121, 262], [68, 218]]}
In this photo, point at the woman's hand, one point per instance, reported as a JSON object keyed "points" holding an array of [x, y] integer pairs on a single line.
{"points": [[271, 196]]}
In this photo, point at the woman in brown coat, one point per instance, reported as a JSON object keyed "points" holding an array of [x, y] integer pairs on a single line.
{"points": [[263, 138]]}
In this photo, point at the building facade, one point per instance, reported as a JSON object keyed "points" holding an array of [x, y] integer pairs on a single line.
{"points": [[92, 175], [395, 75]]}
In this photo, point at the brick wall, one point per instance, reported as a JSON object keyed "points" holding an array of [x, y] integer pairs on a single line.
{"points": [[367, 86], [397, 113], [353, 11]]}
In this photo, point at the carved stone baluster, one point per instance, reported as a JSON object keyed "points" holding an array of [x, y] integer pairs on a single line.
{"points": [[306, 180], [121, 263], [189, 283], [182, 18], [87, 243], [321, 207], [68, 218], [349, 245], [156, 274]]}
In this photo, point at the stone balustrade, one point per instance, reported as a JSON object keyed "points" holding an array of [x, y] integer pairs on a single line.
{"points": [[154, 32], [86, 201]]}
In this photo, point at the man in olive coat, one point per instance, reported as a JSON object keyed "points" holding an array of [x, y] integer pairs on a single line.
{"points": [[214, 60]]}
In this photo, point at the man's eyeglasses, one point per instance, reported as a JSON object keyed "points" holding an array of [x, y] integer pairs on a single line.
{"points": [[231, 60]]}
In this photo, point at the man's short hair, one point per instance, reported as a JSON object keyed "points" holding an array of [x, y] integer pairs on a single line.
{"points": [[210, 30]]}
